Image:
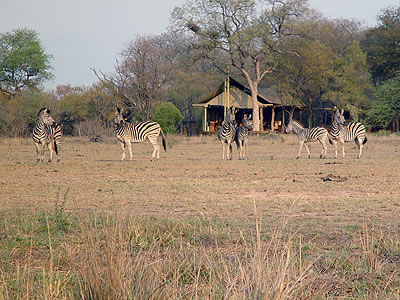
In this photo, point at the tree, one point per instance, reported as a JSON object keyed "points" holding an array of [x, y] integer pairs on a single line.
{"points": [[143, 72], [23, 62], [351, 81], [330, 65], [75, 106], [306, 75], [382, 45], [239, 33], [168, 116], [386, 108]]}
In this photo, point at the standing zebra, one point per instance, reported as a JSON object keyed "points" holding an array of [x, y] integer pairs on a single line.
{"points": [[242, 137], [306, 135], [46, 132], [128, 133], [353, 131], [226, 134]]}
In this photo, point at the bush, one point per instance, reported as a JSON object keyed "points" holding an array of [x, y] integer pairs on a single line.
{"points": [[168, 116]]}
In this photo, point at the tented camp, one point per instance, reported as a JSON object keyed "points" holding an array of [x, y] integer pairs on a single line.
{"points": [[232, 93]]}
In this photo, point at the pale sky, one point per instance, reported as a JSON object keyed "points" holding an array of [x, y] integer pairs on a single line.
{"points": [[81, 34]]}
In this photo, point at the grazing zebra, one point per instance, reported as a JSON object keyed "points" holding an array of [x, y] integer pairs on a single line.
{"points": [[353, 131], [306, 135], [226, 134], [242, 137], [128, 133], [46, 132]]}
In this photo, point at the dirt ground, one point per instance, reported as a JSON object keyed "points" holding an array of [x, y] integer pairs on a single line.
{"points": [[191, 179]]}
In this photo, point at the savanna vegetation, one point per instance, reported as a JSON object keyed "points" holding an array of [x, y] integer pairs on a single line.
{"points": [[191, 225]]}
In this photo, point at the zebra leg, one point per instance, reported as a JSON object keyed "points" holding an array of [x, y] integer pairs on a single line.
{"points": [[308, 150], [223, 149], [245, 156], [123, 151], [240, 150], [229, 150], [324, 148], [156, 150], [38, 152], [301, 147], [130, 150], [335, 144], [50, 147], [342, 142], [359, 146]]}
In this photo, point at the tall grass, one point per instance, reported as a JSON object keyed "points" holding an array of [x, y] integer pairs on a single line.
{"points": [[55, 255]]}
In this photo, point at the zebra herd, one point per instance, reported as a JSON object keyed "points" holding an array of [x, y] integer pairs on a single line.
{"points": [[48, 133], [339, 132]]}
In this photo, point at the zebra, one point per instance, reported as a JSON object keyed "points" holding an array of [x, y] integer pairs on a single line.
{"points": [[128, 133], [47, 132], [242, 136], [226, 134], [306, 135], [353, 131]]}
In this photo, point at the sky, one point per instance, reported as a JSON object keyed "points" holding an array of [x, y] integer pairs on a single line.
{"points": [[84, 34]]}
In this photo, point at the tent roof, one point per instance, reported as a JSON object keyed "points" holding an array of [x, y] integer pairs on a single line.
{"points": [[265, 97]]}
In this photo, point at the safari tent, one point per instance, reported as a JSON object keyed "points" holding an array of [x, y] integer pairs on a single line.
{"points": [[232, 93]]}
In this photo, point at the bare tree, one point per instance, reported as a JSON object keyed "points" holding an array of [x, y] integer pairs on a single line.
{"points": [[142, 72], [241, 34]]}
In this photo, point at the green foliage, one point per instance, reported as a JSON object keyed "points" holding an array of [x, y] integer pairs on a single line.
{"points": [[168, 116], [382, 46], [386, 107], [18, 114], [350, 81], [23, 62]]}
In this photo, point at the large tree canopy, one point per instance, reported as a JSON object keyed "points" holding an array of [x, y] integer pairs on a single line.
{"points": [[23, 62], [240, 34]]}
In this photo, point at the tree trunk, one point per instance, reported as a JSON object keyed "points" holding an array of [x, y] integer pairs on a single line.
{"points": [[310, 118], [256, 110]]}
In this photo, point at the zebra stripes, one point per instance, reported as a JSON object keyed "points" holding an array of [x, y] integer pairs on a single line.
{"points": [[353, 131], [226, 134], [306, 135], [47, 132], [128, 133], [242, 137]]}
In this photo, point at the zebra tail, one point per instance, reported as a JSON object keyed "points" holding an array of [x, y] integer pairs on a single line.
{"points": [[164, 143], [365, 140]]}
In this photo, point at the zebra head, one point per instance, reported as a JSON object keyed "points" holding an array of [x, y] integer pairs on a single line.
{"points": [[339, 118], [289, 126], [44, 116], [118, 116], [230, 116], [246, 122]]}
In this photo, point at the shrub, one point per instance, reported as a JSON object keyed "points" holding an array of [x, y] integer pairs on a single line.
{"points": [[168, 116]]}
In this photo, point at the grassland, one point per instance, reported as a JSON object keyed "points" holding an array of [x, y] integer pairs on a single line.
{"points": [[191, 225]]}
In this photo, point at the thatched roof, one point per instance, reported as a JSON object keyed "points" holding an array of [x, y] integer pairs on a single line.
{"points": [[265, 97]]}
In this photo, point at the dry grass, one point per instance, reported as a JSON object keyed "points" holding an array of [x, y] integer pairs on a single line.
{"points": [[194, 226]]}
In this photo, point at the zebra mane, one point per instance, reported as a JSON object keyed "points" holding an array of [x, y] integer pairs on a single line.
{"points": [[298, 123]]}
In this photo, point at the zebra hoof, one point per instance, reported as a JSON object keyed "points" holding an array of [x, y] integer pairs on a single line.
{"points": [[297, 157], [58, 159]]}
